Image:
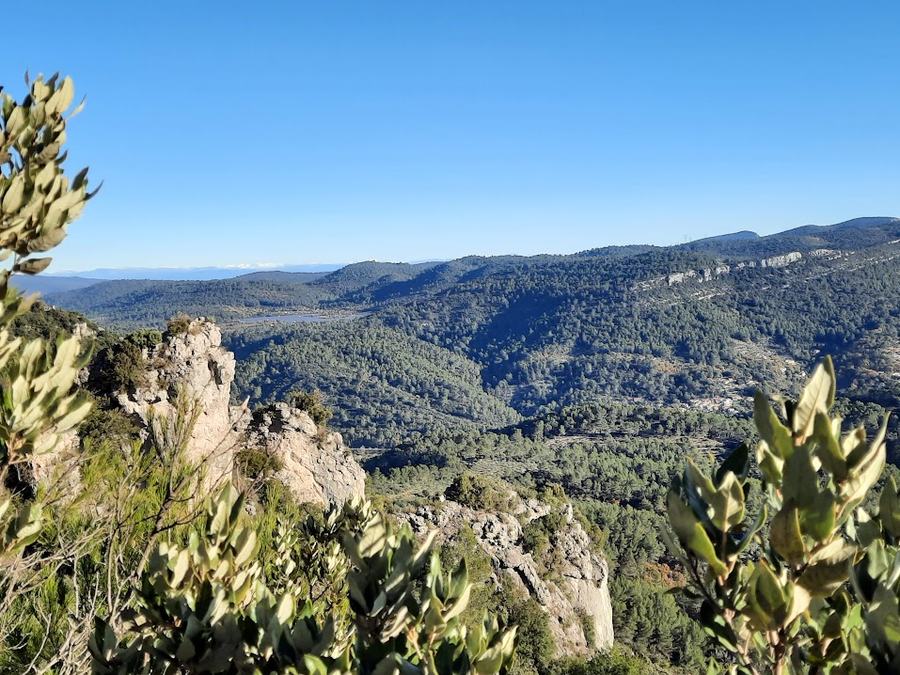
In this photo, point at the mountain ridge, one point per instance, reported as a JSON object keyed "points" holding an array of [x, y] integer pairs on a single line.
{"points": [[371, 284]]}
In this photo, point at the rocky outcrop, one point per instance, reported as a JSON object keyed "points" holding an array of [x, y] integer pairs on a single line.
{"points": [[190, 374], [315, 465], [579, 590], [59, 469], [781, 260], [680, 277], [710, 273]]}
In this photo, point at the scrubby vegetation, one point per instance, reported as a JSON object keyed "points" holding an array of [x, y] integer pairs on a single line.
{"points": [[312, 403]]}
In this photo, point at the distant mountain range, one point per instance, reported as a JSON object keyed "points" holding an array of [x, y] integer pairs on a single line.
{"points": [[192, 273], [804, 237]]}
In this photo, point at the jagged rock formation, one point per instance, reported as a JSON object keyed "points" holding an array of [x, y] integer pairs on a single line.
{"points": [[316, 466], [190, 373], [579, 591]]}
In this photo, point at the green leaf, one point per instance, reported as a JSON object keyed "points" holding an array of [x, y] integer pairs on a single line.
{"points": [[785, 535], [737, 462], [691, 534], [32, 265], [747, 539], [800, 483], [889, 508], [770, 464], [314, 665], [826, 576], [180, 568], [767, 600], [817, 519], [828, 449], [817, 396], [771, 430], [14, 196], [285, 609], [728, 504], [865, 475], [715, 625]]}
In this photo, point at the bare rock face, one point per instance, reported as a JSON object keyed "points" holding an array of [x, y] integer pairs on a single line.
{"points": [[59, 469], [192, 370], [316, 466], [192, 365], [182, 396], [580, 592], [781, 260]]}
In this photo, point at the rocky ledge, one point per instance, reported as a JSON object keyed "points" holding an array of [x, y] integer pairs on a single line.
{"points": [[579, 591]]}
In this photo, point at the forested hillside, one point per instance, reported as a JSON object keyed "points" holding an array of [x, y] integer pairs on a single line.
{"points": [[389, 384], [671, 326], [598, 372], [702, 322]]}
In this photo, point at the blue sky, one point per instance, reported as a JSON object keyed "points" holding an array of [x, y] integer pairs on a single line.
{"points": [[298, 132]]}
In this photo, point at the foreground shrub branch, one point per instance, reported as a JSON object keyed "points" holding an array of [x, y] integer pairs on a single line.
{"points": [[810, 583]]}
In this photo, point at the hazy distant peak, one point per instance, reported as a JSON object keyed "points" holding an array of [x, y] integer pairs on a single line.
{"points": [[194, 273]]}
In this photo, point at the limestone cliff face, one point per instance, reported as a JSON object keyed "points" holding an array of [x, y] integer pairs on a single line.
{"points": [[316, 466], [195, 366], [192, 370], [580, 591]]}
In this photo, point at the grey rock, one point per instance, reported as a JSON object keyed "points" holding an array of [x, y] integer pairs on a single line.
{"points": [[193, 365], [781, 260], [316, 466], [581, 589]]}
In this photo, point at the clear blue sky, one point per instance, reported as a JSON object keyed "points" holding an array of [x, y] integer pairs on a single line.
{"points": [[249, 132]]}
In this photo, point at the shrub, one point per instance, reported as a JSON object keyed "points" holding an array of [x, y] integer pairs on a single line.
{"points": [[535, 645], [587, 627], [256, 464], [539, 537], [38, 202], [178, 324], [106, 426], [312, 403], [811, 581], [465, 548], [616, 661], [128, 368], [144, 339], [480, 492], [208, 607]]}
